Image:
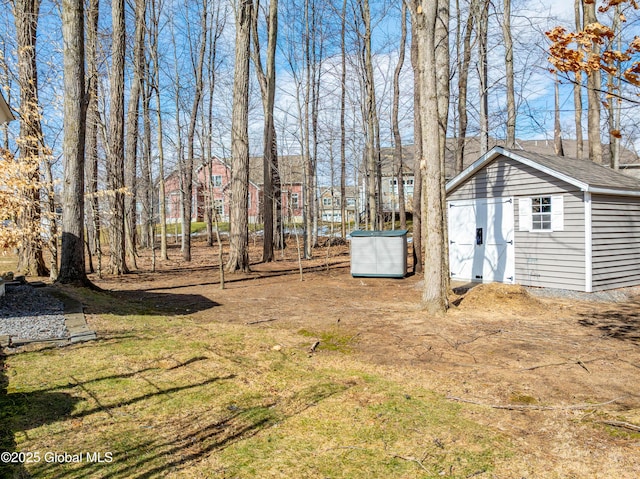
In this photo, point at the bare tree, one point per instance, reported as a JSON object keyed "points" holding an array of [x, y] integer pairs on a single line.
{"points": [[186, 169], [239, 234], [483, 67], [91, 136], [424, 14], [72, 267], [115, 163], [577, 87], [508, 63], [417, 153], [464, 61], [155, 80], [271, 188], [614, 87], [557, 129], [397, 139], [442, 66], [372, 124], [131, 139], [343, 132], [593, 89], [30, 141]]}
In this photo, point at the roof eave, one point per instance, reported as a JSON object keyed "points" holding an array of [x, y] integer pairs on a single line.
{"points": [[497, 151], [610, 191]]}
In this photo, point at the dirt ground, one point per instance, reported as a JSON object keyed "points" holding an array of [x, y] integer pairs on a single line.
{"points": [[557, 376]]}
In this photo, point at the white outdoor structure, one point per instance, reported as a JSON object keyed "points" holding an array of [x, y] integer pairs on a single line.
{"points": [[539, 220], [481, 246]]}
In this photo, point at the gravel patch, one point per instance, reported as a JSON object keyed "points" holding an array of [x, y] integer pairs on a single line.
{"points": [[29, 313], [610, 296]]}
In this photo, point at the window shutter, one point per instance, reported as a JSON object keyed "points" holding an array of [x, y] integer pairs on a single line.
{"points": [[524, 210], [557, 213]]}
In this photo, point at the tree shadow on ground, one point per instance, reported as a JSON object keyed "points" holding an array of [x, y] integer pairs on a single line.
{"points": [[239, 278], [24, 411], [21, 412], [622, 323], [140, 302], [161, 453]]}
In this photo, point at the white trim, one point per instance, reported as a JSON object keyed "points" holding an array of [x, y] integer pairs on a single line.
{"points": [[588, 244], [610, 191], [525, 217], [557, 213]]}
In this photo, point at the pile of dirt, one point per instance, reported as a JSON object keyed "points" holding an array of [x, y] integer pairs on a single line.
{"points": [[498, 296]]}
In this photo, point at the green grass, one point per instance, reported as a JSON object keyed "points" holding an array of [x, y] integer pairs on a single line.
{"points": [[169, 396]]}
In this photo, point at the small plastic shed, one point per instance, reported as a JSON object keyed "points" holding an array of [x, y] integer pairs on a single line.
{"points": [[379, 253]]}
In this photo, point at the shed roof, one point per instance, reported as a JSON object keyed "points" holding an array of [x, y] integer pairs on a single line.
{"points": [[584, 174]]}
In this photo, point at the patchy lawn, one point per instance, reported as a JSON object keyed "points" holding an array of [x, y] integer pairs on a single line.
{"points": [[331, 376]]}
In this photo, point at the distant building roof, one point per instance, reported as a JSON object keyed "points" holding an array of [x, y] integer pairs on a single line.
{"points": [[472, 153]]}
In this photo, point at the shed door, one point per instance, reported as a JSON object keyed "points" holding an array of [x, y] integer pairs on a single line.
{"points": [[481, 244]]}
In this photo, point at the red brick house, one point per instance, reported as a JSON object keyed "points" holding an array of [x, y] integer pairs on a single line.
{"points": [[220, 171]]}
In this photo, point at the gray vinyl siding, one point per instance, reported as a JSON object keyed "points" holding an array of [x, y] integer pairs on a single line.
{"points": [[506, 177], [551, 259], [616, 241], [555, 259]]}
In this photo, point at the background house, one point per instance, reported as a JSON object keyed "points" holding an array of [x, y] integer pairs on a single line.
{"points": [[541, 220], [217, 188], [330, 201]]}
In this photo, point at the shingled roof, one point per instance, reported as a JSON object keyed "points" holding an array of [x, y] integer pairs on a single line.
{"points": [[584, 174]]}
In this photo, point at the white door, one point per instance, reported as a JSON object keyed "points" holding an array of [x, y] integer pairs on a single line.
{"points": [[481, 240]]}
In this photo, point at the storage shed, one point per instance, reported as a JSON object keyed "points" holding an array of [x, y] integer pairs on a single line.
{"points": [[379, 253], [537, 220]]}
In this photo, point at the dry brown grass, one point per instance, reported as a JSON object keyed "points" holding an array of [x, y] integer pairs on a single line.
{"points": [[187, 380]]}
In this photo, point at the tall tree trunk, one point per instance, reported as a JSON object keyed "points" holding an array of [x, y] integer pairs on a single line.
{"points": [[30, 259], [145, 189], [267, 88], [508, 62], [343, 132], [72, 267], [593, 92], [239, 232], [187, 170], [577, 88], [397, 139], [91, 137], [417, 153], [613, 85], [115, 163], [434, 297], [131, 140], [155, 78], [557, 129], [442, 65], [483, 67], [309, 210], [211, 215], [372, 126], [463, 77]]}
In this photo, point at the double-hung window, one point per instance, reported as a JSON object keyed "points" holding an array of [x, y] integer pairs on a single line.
{"points": [[541, 213]]}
